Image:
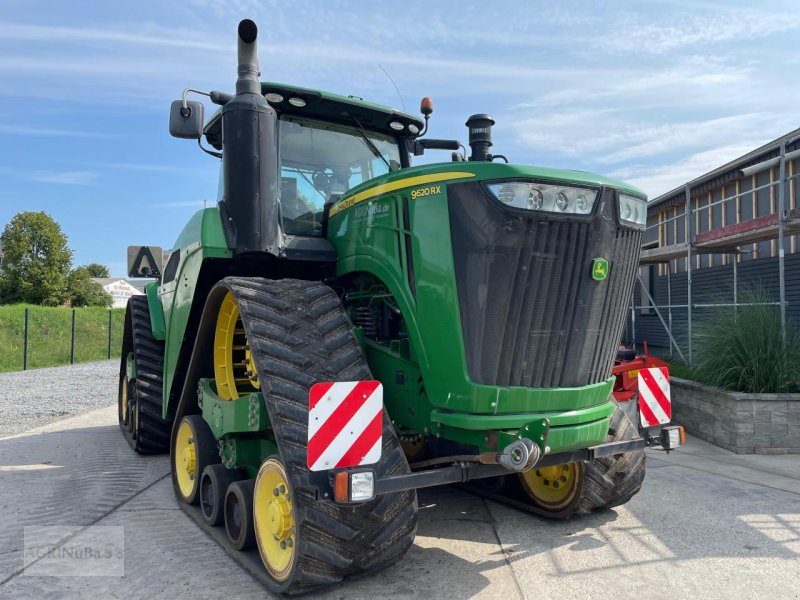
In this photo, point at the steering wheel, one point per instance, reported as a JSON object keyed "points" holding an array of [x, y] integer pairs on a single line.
{"points": [[322, 181]]}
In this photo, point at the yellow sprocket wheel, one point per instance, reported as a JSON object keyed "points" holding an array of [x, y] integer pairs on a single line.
{"points": [[274, 519], [234, 368]]}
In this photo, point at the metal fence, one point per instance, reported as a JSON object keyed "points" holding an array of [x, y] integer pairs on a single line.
{"points": [[761, 228], [33, 337]]}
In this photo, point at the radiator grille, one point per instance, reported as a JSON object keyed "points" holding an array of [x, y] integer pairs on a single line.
{"points": [[531, 314]]}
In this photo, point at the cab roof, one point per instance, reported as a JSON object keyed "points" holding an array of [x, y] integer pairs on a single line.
{"points": [[327, 106]]}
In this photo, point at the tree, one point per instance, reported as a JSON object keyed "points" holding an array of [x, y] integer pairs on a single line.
{"points": [[36, 260], [97, 270], [85, 292]]}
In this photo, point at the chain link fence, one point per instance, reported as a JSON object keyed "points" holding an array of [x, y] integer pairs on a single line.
{"points": [[38, 336]]}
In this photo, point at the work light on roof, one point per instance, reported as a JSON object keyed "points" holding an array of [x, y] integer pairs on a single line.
{"points": [[273, 98], [397, 125], [297, 102]]}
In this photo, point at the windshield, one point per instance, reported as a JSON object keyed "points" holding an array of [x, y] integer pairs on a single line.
{"points": [[320, 160]]}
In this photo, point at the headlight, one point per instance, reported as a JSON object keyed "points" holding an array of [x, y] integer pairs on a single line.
{"points": [[632, 210], [545, 197]]}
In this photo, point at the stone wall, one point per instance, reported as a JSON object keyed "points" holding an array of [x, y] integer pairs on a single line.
{"points": [[741, 423]]}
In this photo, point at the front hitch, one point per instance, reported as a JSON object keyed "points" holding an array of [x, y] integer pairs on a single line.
{"points": [[520, 455]]}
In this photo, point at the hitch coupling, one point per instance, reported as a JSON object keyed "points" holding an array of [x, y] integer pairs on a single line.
{"points": [[519, 455]]}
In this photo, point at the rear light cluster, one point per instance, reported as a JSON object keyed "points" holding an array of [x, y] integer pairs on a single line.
{"points": [[672, 437], [358, 486]]}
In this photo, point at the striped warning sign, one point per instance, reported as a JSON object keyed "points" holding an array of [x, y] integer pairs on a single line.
{"points": [[345, 424], [655, 405]]}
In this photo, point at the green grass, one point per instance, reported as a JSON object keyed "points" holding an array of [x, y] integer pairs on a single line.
{"points": [[681, 370], [741, 349], [50, 333]]}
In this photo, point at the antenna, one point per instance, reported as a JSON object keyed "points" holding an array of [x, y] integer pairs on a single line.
{"points": [[395, 86]]}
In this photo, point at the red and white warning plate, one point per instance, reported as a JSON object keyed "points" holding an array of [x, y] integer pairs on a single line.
{"points": [[345, 424], [655, 404]]}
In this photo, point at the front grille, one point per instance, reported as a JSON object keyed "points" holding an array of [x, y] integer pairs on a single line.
{"points": [[531, 314]]}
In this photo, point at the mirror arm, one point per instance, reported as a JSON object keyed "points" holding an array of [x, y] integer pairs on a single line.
{"points": [[185, 93]]}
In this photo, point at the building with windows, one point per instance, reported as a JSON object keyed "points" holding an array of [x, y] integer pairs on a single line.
{"points": [[710, 238], [120, 289]]}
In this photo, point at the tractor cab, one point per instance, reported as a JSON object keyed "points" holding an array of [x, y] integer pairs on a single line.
{"points": [[327, 144]]}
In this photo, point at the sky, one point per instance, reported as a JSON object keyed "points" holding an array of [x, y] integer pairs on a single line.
{"points": [[654, 93]]}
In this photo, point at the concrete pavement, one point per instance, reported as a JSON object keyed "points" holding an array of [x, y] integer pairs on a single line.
{"points": [[707, 524]]}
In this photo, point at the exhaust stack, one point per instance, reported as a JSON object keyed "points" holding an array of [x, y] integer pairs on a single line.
{"points": [[249, 207]]}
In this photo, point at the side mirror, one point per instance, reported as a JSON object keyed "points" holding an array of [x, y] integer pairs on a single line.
{"points": [[145, 261], [186, 121]]}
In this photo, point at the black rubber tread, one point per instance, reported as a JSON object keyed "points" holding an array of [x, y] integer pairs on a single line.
{"points": [[613, 480], [300, 335], [607, 482], [206, 452], [219, 478], [151, 434], [241, 492]]}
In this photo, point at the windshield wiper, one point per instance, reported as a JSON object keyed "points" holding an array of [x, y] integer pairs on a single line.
{"points": [[370, 143]]}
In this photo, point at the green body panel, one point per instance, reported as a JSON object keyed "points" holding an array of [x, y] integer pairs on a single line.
{"points": [[509, 421], [370, 237], [157, 323], [202, 238]]}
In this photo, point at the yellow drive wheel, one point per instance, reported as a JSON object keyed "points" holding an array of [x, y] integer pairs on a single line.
{"points": [[274, 519], [234, 368], [554, 489], [195, 448]]}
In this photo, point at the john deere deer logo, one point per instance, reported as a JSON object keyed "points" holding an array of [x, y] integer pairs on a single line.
{"points": [[599, 269]]}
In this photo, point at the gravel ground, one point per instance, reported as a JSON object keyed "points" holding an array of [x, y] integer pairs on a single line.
{"points": [[32, 398]]}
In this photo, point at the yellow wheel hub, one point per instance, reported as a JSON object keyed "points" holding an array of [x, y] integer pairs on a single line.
{"points": [[186, 459], [234, 367], [190, 461], [273, 513], [553, 487], [124, 400]]}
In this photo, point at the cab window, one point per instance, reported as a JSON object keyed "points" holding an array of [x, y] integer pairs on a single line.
{"points": [[320, 160]]}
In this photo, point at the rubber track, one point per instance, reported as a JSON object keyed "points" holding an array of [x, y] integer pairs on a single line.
{"points": [[153, 433], [300, 335], [608, 481], [613, 480]]}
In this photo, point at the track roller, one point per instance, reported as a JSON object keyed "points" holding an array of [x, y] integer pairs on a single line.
{"points": [[214, 483], [239, 514]]}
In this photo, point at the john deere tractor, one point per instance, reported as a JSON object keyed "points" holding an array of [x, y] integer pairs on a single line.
{"points": [[343, 328]]}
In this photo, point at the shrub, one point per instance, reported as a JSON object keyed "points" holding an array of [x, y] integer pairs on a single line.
{"points": [[742, 349]]}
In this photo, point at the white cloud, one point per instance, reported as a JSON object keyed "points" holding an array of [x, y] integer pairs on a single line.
{"points": [[645, 35], [61, 177], [662, 178], [45, 131], [144, 167], [147, 36]]}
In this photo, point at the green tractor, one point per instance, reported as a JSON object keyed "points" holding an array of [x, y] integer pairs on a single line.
{"points": [[343, 328]]}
